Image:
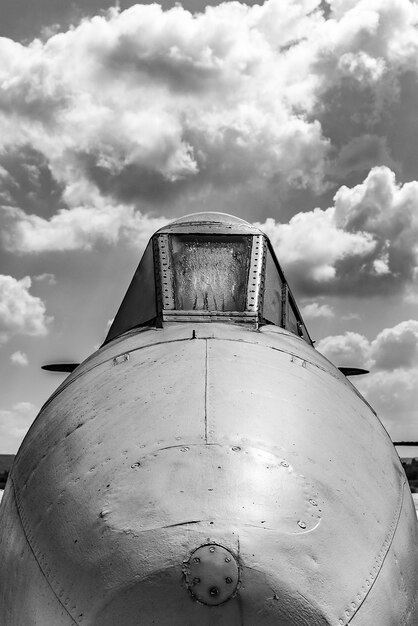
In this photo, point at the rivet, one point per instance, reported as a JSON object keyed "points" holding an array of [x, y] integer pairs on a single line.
{"points": [[313, 502], [185, 449], [196, 559], [284, 463], [137, 464], [228, 580], [196, 580], [211, 549], [302, 524], [236, 448], [227, 560], [213, 591]]}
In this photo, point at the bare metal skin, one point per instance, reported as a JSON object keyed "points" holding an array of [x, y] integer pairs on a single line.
{"points": [[207, 473]]}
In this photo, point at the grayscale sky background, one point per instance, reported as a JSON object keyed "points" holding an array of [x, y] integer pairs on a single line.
{"points": [[299, 115]]}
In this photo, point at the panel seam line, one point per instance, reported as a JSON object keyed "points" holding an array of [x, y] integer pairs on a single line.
{"points": [[206, 392], [19, 513], [391, 534]]}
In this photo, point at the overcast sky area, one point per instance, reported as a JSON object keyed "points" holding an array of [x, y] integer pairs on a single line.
{"points": [[298, 115]]}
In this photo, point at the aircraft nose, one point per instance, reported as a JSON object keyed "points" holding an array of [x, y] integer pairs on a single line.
{"points": [[211, 586]]}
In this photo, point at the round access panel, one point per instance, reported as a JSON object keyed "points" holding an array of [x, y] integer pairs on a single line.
{"points": [[212, 574]]}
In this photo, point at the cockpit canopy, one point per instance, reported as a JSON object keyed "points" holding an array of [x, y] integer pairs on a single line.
{"points": [[208, 267]]}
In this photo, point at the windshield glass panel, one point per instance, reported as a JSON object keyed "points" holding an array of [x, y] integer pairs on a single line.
{"points": [[210, 272]]}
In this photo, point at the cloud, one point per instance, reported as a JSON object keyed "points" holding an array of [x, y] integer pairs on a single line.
{"points": [[314, 310], [163, 93], [366, 243], [160, 112], [311, 244], [47, 277], [394, 396], [393, 360], [393, 348], [78, 228], [350, 349], [396, 347], [14, 424], [19, 358], [387, 211], [156, 106], [360, 154], [21, 313]]}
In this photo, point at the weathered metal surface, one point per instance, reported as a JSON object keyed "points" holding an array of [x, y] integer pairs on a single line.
{"points": [[257, 274], [26, 596], [208, 267], [168, 440], [212, 574], [210, 223]]}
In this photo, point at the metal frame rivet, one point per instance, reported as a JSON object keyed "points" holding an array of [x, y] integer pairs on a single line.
{"points": [[196, 580], [211, 549], [196, 559], [284, 464], [313, 502], [227, 560], [302, 524], [184, 449], [236, 448], [213, 591], [228, 580]]}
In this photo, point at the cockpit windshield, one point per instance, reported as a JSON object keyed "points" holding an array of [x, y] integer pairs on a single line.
{"points": [[210, 273], [209, 267]]}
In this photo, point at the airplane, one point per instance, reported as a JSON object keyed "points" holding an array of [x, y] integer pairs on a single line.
{"points": [[207, 465]]}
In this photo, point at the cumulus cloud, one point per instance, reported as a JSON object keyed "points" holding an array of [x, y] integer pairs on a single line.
{"points": [[78, 228], [162, 112], [14, 424], [21, 313], [393, 348], [391, 387], [315, 310], [19, 358], [366, 243], [350, 349], [396, 347], [46, 277], [156, 104]]}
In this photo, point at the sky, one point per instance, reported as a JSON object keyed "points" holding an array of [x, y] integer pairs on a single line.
{"points": [[297, 115]]}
